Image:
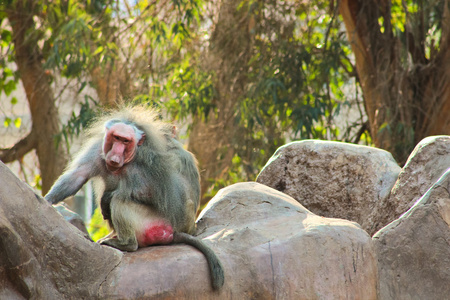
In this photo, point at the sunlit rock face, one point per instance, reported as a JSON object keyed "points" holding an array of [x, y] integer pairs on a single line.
{"points": [[414, 250], [426, 164], [333, 179]]}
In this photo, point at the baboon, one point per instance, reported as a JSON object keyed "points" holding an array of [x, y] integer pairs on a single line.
{"points": [[146, 182]]}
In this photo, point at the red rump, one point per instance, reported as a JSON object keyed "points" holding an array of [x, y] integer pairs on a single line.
{"points": [[157, 232]]}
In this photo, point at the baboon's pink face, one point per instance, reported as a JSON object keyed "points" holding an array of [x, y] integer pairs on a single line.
{"points": [[120, 146]]}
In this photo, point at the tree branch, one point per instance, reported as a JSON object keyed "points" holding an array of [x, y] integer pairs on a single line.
{"points": [[28, 57], [364, 127], [19, 150]]}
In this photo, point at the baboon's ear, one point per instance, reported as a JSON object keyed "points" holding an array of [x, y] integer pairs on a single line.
{"points": [[141, 141]]}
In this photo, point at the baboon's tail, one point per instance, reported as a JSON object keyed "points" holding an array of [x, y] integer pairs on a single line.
{"points": [[215, 267]]}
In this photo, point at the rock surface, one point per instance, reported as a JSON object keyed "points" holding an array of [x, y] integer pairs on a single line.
{"points": [[333, 179], [41, 255], [426, 164], [292, 253], [271, 248], [414, 250], [73, 218]]}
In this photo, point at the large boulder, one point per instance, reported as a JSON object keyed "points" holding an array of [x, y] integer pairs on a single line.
{"points": [[310, 256], [414, 250], [271, 248], [426, 164], [42, 256], [333, 179]]}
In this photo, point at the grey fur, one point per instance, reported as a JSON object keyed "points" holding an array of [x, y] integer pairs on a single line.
{"points": [[163, 176]]}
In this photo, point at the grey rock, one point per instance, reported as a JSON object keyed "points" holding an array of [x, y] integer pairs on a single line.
{"points": [[41, 255], [73, 218], [333, 179], [270, 246], [414, 250], [425, 165]]}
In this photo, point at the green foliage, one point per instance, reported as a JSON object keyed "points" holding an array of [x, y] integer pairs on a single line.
{"points": [[418, 22], [8, 84], [296, 75], [8, 121], [97, 228], [9, 79], [294, 79], [77, 122], [37, 182], [190, 91], [80, 36]]}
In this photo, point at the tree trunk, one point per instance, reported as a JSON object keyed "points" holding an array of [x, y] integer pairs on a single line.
{"points": [[111, 85], [407, 97], [46, 124], [227, 57]]}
